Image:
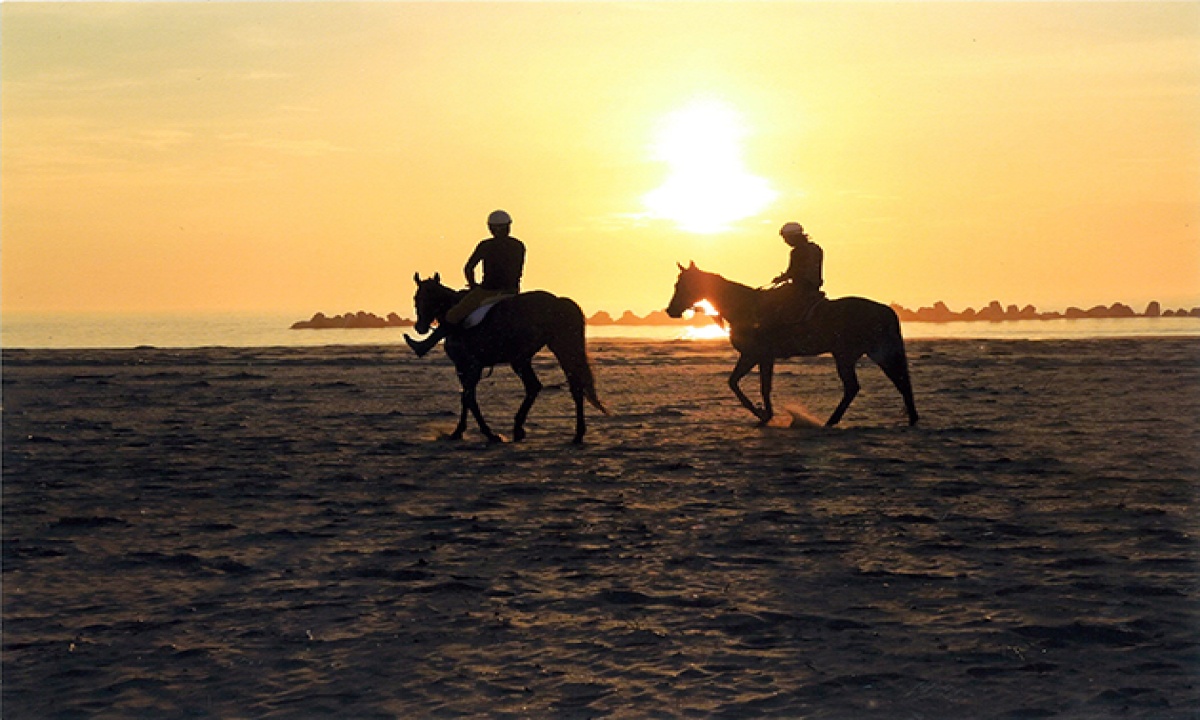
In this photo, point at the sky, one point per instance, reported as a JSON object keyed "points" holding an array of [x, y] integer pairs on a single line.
{"points": [[303, 157]]}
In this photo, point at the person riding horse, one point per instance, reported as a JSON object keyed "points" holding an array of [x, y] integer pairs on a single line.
{"points": [[846, 328], [798, 288], [503, 258]]}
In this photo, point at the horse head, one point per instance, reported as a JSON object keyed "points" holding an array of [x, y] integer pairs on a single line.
{"points": [[432, 301], [689, 290]]}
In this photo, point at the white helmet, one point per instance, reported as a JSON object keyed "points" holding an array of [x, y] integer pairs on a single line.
{"points": [[499, 217]]}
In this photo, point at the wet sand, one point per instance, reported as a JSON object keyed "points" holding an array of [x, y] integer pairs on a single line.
{"points": [[253, 533]]}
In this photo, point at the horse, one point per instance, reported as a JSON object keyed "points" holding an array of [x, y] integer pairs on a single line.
{"points": [[847, 328], [515, 330]]}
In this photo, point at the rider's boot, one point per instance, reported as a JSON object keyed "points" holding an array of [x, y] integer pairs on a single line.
{"points": [[423, 346]]}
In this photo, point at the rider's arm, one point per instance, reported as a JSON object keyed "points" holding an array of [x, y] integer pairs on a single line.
{"points": [[790, 273], [469, 268]]}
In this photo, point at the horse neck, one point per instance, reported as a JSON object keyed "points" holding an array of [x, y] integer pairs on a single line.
{"points": [[446, 299], [735, 302]]}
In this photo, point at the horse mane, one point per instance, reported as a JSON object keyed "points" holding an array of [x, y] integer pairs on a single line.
{"points": [[734, 283], [446, 290], [745, 301]]}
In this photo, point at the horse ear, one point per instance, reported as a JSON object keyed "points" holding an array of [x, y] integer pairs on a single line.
{"points": [[417, 278], [437, 277], [692, 266], [681, 268]]}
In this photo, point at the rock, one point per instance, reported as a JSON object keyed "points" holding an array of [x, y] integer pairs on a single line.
{"points": [[993, 312], [351, 320]]}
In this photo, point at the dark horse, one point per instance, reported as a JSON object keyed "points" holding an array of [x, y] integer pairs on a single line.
{"points": [[514, 331], [848, 328]]}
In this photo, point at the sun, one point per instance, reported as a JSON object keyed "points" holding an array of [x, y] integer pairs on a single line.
{"points": [[708, 187]]}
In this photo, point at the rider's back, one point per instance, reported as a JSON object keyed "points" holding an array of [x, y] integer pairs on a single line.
{"points": [[503, 262]]}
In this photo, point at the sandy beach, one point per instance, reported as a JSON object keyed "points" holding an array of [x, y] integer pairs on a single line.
{"points": [[282, 533]]}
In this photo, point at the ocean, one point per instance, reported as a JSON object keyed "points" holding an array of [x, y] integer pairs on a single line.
{"points": [[95, 331]]}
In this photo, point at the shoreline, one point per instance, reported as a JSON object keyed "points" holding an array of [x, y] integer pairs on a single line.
{"points": [[707, 346], [223, 330], [937, 313]]}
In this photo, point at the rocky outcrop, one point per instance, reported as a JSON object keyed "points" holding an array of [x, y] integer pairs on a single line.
{"points": [[995, 312], [356, 320], [937, 313]]}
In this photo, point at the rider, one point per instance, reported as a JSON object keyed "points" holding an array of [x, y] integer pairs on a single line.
{"points": [[503, 258], [800, 285]]}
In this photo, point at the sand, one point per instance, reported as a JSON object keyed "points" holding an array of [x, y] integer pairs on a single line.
{"points": [[280, 533]]}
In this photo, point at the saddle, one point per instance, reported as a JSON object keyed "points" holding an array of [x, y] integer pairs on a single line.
{"points": [[816, 302], [781, 309], [477, 316]]}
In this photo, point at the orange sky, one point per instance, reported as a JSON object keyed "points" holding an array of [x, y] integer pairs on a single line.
{"points": [[312, 156]]}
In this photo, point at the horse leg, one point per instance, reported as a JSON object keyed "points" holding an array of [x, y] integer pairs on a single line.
{"points": [[462, 423], [580, 422], [524, 370], [744, 365], [579, 380], [894, 364], [766, 375], [470, 380], [570, 348], [850, 387], [461, 428]]}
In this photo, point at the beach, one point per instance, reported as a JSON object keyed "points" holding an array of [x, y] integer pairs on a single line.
{"points": [[283, 532]]}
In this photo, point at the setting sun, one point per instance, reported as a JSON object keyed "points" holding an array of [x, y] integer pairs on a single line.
{"points": [[708, 187]]}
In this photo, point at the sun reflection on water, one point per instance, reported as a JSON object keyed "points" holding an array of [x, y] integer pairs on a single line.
{"points": [[716, 331], [708, 332]]}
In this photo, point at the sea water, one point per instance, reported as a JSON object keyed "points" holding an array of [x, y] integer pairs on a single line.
{"points": [[95, 331]]}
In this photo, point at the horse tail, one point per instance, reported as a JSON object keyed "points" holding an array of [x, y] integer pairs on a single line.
{"points": [[569, 346], [890, 355]]}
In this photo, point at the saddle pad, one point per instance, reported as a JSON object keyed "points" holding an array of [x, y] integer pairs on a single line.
{"points": [[478, 314]]}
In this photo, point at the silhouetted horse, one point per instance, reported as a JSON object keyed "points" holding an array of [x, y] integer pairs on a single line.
{"points": [[848, 328], [514, 331]]}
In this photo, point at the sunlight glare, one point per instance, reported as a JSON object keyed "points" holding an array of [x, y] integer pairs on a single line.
{"points": [[708, 187], [708, 332]]}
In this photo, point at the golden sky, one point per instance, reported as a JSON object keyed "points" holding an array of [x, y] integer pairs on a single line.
{"points": [[312, 156]]}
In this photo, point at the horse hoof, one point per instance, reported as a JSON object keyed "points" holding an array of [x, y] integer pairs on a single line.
{"points": [[495, 439], [518, 435]]}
